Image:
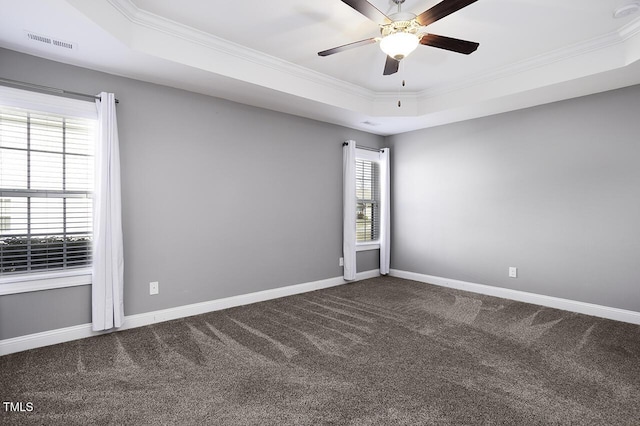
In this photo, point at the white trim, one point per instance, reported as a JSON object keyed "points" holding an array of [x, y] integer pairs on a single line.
{"points": [[52, 337], [147, 318], [25, 283], [523, 296], [26, 99], [367, 246], [365, 154]]}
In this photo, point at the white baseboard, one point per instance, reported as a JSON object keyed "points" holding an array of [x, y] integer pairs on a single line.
{"points": [[523, 296], [147, 318], [52, 337]]}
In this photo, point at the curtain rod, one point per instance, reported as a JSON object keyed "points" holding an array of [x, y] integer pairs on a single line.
{"points": [[366, 148], [53, 90]]}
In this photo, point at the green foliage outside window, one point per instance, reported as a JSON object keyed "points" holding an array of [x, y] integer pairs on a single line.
{"points": [[22, 254]]}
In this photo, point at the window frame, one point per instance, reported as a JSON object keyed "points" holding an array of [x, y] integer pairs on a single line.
{"points": [[36, 281], [43, 279], [373, 156]]}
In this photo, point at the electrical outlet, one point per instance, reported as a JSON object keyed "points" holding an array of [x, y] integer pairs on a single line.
{"points": [[154, 288], [341, 261], [513, 272]]}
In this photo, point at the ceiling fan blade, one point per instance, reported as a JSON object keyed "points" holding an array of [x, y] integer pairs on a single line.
{"points": [[442, 9], [368, 10], [347, 46], [453, 44], [391, 66]]}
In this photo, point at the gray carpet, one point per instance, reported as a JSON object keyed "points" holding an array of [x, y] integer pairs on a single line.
{"points": [[383, 351]]}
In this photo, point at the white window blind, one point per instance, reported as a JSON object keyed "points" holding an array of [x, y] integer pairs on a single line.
{"points": [[46, 184], [367, 200]]}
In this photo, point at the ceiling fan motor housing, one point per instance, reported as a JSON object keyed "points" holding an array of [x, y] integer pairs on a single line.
{"points": [[402, 22]]}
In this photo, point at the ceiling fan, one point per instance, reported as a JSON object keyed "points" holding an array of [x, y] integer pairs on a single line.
{"points": [[402, 31]]}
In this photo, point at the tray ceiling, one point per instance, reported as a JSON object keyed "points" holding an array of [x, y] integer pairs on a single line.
{"points": [[265, 54]]}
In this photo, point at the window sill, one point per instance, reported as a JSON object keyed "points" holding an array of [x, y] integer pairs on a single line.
{"points": [[369, 246], [26, 283]]}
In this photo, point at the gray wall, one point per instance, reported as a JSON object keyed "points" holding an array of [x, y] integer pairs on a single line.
{"points": [[552, 190], [219, 198]]}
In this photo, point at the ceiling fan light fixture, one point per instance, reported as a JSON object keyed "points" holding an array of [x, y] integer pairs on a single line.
{"points": [[399, 45]]}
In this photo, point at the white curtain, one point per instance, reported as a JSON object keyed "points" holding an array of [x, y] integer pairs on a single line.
{"points": [[108, 263], [349, 209], [385, 212]]}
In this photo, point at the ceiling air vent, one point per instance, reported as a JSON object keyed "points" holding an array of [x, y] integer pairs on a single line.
{"points": [[51, 41], [61, 43]]}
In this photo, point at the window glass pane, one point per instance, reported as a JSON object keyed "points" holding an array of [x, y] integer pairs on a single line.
{"points": [[78, 252], [13, 211], [46, 171], [368, 198], [47, 216], [80, 136], [46, 132], [13, 236], [13, 129], [13, 169], [79, 215], [79, 173], [5, 214], [13, 255]]}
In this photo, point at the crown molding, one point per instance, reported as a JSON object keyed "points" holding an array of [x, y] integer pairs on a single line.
{"points": [[629, 30], [154, 22], [545, 59]]}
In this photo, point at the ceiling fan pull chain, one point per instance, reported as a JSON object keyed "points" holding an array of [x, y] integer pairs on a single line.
{"points": [[402, 65]]}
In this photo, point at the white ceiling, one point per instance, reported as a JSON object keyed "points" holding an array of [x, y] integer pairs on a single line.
{"points": [[264, 53]]}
